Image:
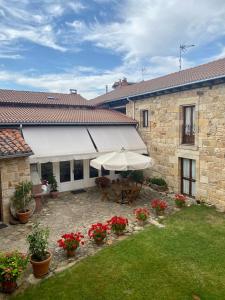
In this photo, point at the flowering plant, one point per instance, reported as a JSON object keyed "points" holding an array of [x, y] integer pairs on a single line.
{"points": [[71, 241], [12, 265], [141, 214], [159, 205], [118, 224], [98, 232], [180, 200]]}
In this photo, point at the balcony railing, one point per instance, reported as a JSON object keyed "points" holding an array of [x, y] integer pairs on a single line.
{"points": [[188, 134]]}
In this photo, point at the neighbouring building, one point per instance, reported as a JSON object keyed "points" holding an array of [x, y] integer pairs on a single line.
{"points": [[181, 119], [50, 133]]}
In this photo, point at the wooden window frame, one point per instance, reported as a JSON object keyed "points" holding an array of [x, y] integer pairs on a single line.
{"points": [[143, 112], [190, 179], [188, 139]]}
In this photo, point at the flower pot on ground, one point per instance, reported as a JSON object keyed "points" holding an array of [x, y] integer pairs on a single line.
{"points": [[54, 187], [142, 215], [159, 206], [38, 247], [70, 242], [21, 200], [98, 233], [12, 266], [118, 224], [180, 200]]}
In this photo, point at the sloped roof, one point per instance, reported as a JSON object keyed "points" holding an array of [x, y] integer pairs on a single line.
{"points": [[53, 115], [12, 144], [214, 69], [42, 98]]}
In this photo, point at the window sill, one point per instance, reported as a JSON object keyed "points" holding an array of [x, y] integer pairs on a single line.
{"points": [[188, 147]]}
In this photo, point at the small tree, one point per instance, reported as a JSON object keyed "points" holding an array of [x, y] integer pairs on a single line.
{"points": [[22, 196], [52, 181]]}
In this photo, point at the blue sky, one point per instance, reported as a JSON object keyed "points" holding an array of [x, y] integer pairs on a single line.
{"points": [[56, 45]]}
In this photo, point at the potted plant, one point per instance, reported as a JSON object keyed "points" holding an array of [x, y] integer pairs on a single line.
{"points": [[98, 232], [21, 199], [180, 200], [118, 224], [38, 248], [54, 187], [11, 267], [142, 215], [70, 242], [159, 206], [158, 184]]}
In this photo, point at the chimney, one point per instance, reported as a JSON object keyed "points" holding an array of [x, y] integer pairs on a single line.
{"points": [[120, 83], [106, 88], [73, 91]]}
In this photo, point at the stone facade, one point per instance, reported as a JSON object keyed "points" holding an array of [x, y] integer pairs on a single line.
{"points": [[164, 132], [12, 171]]}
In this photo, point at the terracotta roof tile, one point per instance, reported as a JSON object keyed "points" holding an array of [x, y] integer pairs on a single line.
{"points": [[54, 115], [196, 74], [42, 98], [12, 143]]}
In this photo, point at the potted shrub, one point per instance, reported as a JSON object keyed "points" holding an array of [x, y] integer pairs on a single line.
{"points": [[158, 184], [102, 182], [21, 199], [142, 215], [98, 232], [159, 206], [180, 200], [11, 267], [53, 187], [38, 248], [118, 224], [70, 242]]}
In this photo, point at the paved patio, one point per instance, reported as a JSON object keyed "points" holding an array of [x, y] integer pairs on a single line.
{"points": [[71, 212]]}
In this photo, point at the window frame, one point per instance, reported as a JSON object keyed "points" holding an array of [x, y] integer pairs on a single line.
{"points": [[188, 139], [190, 179], [144, 118], [74, 168]]}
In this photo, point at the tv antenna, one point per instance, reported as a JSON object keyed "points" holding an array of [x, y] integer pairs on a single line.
{"points": [[183, 49], [143, 69]]}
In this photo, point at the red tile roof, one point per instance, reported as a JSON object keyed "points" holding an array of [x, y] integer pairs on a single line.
{"points": [[53, 115], [42, 98], [12, 144], [200, 73]]}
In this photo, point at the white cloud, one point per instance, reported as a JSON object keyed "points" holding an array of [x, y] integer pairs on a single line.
{"points": [[156, 28]]}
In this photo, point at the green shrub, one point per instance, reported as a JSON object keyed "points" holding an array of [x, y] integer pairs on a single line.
{"points": [[52, 181], [22, 196], [158, 181], [136, 175]]}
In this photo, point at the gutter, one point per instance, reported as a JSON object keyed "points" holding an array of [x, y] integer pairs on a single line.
{"points": [[164, 89], [16, 155], [64, 123]]}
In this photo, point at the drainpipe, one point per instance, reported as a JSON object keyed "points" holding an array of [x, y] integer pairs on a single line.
{"points": [[133, 110]]}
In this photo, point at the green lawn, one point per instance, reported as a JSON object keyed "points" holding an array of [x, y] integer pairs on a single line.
{"points": [[184, 259]]}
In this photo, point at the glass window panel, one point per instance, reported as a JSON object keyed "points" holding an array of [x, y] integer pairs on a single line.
{"points": [[145, 118], [193, 120], [186, 167], [186, 184], [187, 120], [64, 171], [193, 169], [193, 184], [78, 170], [46, 170], [105, 172], [93, 172]]}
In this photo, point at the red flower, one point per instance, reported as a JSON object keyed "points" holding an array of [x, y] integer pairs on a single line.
{"points": [[180, 197], [141, 213], [159, 204], [98, 231], [70, 241], [118, 224]]}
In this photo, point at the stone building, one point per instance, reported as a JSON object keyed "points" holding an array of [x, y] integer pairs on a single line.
{"points": [[181, 119], [45, 134]]}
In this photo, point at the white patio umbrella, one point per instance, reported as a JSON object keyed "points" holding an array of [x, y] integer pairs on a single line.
{"points": [[122, 161]]}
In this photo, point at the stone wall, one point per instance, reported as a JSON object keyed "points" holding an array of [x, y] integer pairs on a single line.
{"points": [[163, 139], [12, 172]]}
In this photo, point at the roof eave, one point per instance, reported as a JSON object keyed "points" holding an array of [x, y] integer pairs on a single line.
{"points": [[16, 155]]}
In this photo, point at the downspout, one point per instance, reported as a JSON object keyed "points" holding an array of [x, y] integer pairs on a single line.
{"points": [[133, 107]]}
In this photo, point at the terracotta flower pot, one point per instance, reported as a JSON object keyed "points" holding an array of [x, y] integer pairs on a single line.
{"points": [[8, 287], [141, 222], [23, 217], [71, 253], [41, 268], [54, 194], [99, 242]]}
